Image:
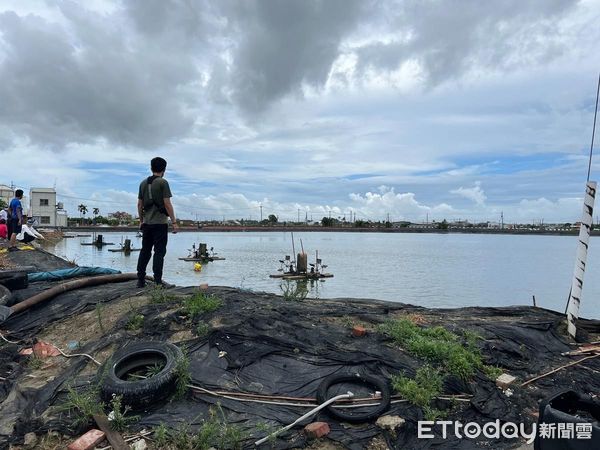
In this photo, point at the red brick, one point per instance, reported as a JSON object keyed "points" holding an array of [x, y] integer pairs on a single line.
{"points": [[88, 441], [316, 430], [359, 331]]}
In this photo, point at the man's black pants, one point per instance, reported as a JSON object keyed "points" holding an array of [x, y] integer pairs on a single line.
{"points": [[153, 236]]}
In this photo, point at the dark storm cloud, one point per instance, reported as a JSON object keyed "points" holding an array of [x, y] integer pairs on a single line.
{"points": [[89, 81], [283, 44], [449, 39], [150, 72]]}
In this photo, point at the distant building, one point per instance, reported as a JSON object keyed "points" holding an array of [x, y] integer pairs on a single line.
{"points": [[6, 193], [44, 208]]}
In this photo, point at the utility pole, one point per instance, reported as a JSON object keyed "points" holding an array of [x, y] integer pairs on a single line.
{"points": [[298, 215], [427, 218], [502, 220], [261, 212]]}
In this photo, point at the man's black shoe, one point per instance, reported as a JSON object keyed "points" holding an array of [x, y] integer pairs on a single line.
{"points": [[141, 283], [13, 249]]}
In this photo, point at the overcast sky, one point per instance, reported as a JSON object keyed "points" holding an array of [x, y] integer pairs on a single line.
{"points": [[418, 109]]}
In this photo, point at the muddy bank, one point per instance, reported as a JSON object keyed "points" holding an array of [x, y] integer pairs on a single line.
{"points": [[261, 344]]}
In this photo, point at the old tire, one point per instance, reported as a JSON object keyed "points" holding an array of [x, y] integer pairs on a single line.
{"points": [[139, 393], [344, 415]]}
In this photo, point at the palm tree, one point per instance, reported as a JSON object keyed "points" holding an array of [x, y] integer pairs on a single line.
{"points": [[82, 209], [96, 211]]}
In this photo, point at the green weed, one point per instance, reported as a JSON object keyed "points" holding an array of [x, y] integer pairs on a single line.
{"points": [[184, 376], [161, 436], [436, 345], [35, 363], [421, 390], [202, 329], [154, 370], [201, 303], [83, 405], [99, 317], [135, 322], [159, 294], [118, 417], [213, 432], [492, 372]]}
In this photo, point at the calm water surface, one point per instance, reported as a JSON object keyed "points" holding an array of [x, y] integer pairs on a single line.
{"points": [[433, 270]]}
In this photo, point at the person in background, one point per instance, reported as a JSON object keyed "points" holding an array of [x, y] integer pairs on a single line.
{"points": [[154, 209], [3, 229], [15, 219], [28, 233], [3, 215]]}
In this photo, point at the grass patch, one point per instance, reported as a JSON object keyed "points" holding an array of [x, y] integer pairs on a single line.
{"points": [[421, 390], [200, 303], [202, 329], [83, 405], [159, 294], [34, 362], [492, 372], [214, 432], [119, 421], [135, 322], [184, 376], [437, 346]]}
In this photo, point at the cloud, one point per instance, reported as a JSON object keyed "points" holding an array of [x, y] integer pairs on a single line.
{"points": [[475, 193], [86, 81], [446, 43]]}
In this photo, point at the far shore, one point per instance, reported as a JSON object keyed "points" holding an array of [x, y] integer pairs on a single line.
{"points": [[305, 229]]}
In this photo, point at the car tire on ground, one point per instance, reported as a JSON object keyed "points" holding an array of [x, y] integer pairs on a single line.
{"points": [[379, 384], [142, 392]]}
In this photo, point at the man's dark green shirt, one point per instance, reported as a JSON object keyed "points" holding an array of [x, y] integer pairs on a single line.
{"points": [[160, 191]]}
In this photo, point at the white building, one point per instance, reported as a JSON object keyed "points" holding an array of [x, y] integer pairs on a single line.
{"points": [[6, 193], [45, 208]]}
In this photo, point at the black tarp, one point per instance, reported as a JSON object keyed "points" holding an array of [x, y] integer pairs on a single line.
{"points": [[278, 347]]}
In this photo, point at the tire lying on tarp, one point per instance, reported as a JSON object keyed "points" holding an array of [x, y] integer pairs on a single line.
{"points": [[346, 415], [136, 358]]}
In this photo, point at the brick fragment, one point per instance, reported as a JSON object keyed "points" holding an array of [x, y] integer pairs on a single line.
{"points": [[359, 331], [316, 430], [505, 380], [88, 441]]}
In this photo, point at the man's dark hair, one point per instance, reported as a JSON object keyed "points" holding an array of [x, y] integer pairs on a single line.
{"points": [[158, 164], [19, 193]]}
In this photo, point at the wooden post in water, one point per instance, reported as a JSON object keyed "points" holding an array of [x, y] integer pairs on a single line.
{"points": [[580, 260]]}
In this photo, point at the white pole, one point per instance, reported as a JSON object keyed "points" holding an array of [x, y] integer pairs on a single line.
{"points": [[308, 414], [580, 260]]}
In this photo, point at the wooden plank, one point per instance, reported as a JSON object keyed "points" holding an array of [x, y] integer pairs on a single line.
{"points": [[114, 438]]}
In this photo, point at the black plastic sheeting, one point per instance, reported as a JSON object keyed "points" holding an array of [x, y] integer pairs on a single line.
{"points": [[278, 347]]}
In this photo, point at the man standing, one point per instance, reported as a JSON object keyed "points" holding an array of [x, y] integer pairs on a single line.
{"points": [[154, 209], [15, 219]]}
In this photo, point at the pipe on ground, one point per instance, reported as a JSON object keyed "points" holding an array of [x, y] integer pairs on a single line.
{"points": [[71, 286]]}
